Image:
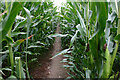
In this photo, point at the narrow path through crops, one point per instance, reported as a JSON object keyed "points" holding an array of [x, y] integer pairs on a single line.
{"points": [[51, 68]]}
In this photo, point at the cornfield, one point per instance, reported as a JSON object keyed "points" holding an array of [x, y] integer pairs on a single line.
{"points": [[89, 33]]}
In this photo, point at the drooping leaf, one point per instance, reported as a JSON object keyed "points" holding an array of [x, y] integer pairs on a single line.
{"points": [[81, 30], [34, 46], [28, 14], [20, 18], [82, 24], [73, 38], [62, 52], [57, 35], [4, 52], [19, 24], [17, 33]]}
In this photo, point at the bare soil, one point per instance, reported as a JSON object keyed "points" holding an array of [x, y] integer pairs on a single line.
{"points": [[50, 68]]}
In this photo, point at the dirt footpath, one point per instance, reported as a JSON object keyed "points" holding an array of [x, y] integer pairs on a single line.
{"points": [[51, 68]]}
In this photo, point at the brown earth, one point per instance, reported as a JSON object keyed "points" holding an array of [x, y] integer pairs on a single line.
{"points": [[50, 68]]}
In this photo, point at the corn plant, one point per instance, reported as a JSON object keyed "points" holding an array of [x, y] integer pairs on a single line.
{"points": [[90, 37], [94, 29], [24, 35]]}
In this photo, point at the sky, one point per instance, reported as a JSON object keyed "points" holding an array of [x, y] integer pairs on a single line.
{"points": [[58, 3]]}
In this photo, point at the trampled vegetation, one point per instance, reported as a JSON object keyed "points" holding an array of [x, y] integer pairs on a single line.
{"points": [[90, 34]]}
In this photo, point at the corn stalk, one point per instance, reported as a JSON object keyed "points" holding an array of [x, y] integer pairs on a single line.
{"points": [[10, 46], [28, 26], [11, 53], [118, 32], [26, 54]]}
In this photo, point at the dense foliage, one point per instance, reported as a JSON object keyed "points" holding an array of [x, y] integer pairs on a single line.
{"points": [[90, 34], [92, 47], [25, 27]]}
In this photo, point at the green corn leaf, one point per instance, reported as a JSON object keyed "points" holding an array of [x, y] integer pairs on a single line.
{"points": [[57, 35], [81, 30], [62, 52], [102, 13], [13, 34], [68, 19], [18, 42], [19, 69], [9, 39], [7, 69], [73, 38], [20, 18], [28, 15], [88, 72], [117, 38], [107, 62], [12, 77], [9, 20], [19, 24], [1, 72], [82, 22], [4, 52], [34, 46]]}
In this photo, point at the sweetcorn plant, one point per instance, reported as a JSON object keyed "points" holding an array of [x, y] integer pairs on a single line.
{"points": [[94, 39], [24, 28]]}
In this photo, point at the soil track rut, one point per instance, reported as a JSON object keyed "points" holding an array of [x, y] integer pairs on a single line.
{"points": [[51, 68]]}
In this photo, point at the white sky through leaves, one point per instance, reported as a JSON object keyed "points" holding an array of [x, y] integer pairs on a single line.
{"points": [[58, 3]]}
